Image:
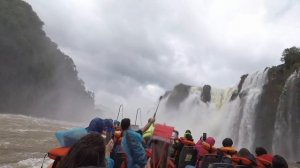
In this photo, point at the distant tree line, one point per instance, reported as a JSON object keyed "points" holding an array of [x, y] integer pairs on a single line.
{"points": [[36, 78]]}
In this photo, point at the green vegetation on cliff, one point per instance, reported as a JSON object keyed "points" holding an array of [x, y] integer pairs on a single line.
{"points": [[36, 78], [291, 57]]}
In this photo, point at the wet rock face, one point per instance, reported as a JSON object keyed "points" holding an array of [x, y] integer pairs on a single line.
{"points": [[267, 107], [205, 95], [235, 94], [178, 95], [286, 138]]}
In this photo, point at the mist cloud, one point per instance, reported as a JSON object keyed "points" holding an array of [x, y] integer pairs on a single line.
{"points": [[130, 52]]}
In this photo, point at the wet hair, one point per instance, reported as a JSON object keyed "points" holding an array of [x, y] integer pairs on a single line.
{"points": [[260, 151], [227, 142], [176, 132], [243, 152], [279, 162], [125, 123], [88, 151]]}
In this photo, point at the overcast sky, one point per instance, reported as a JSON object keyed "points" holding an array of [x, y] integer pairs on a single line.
{"points": [[131, 51]]}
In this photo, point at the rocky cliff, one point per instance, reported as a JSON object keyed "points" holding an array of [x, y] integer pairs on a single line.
{"points": [[36, 78], [263, 109]]}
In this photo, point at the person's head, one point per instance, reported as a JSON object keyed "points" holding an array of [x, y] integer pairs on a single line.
{"points": [[227, 142], [260, 151], [244, 152], [125, 124], [210, 140], [175, 134], [88, 151], [279, 162], [108, 125], [116, 123], [96, 125], [188, 135], [188, 131]]}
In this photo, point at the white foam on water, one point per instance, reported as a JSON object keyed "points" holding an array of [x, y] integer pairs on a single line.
{"points": [[34, 162], [40, 121], [29, 163]]}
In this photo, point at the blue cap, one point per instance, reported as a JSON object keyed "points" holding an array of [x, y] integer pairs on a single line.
{"points": [[108, 124], [96, 125]]}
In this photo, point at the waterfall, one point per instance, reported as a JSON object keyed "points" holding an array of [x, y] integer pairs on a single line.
{"points": [[220, 117], [242, 119], [286, 139], [196, 115]]}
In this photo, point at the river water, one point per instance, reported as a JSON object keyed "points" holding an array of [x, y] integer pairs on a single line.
{"points": [[25, 140]]}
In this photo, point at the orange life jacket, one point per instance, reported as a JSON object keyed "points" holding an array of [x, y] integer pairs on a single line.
{"points": [[208, 147], [57, 154], [186, 142], [241, 161], [263, 161], [117, 136], [229, 151]]}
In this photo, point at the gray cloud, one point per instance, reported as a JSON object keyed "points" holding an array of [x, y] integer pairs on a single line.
{"points": [[123, 47]]}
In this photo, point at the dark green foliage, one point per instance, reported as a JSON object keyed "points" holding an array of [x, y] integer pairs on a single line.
{"points": [[36, 77], [290, 57]]}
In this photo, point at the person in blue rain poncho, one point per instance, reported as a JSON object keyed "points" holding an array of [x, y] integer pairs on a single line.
{"points": [[132, 146]]}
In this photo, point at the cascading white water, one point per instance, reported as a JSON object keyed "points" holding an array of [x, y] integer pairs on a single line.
{"points": [[220, 117], [196, 115], [285, 139], [243, 110]]}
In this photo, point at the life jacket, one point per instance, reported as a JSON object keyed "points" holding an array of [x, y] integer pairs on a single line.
{"points": [[186, 142], [267, 157], [208, 147], [57, 154], [241, 161], [204, 148], [263, 161], [262, 164], [228, 151], [117, 136]]}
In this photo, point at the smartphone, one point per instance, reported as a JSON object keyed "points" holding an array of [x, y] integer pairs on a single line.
{"points": [[204, 137]]}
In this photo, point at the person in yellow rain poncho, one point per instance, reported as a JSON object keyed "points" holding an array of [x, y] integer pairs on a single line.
{"points": [[148, 130]]}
